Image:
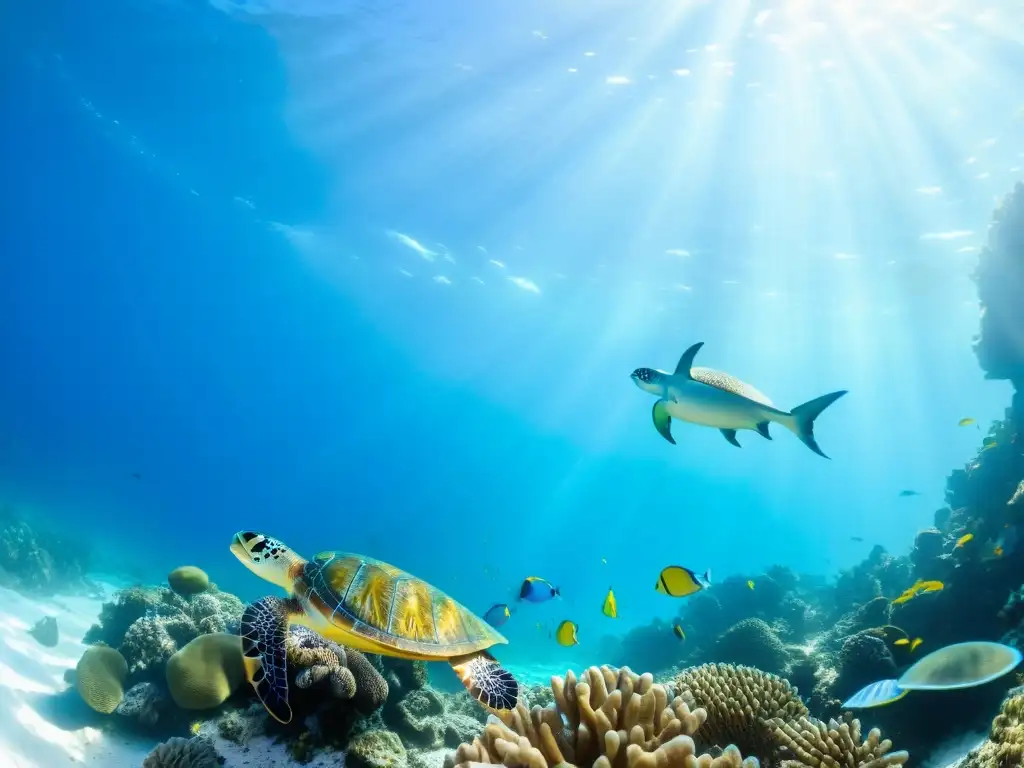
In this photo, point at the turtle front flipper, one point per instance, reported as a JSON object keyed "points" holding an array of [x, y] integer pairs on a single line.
{"points": [[264, 629], [486, 680]]}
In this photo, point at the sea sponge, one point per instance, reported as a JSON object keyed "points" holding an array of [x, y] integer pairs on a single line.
{"points": [[188, 580], [1005, 745], [607, 718], [346, 672], [206, 671], [752, 642], [183, 753], [100, 676], [740, 703], [810, 743]]}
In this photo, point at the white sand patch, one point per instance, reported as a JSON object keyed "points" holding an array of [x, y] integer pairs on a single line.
{"points": [[39, 731]]}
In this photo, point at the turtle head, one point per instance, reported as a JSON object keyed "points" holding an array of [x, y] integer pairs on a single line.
{"points": [[649, 380], [268, 558]]}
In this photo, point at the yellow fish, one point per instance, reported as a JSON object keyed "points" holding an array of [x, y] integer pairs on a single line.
{"points": [[988, 444], [917, 642], [750, 583], [610, 609], [566, 633], [677, 630], [676, 581], [965, 422], [998, 551], [963, 540], [930, 586], [194, 728], [902, 641]]}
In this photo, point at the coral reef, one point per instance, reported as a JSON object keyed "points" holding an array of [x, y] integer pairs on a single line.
{"points": [[740, 703], [40, 562], [1005, 745], [143, 704], [754, 643], [810, 743], [183, 753], [864, 658], [376, 749], [150, 624], [346, 673], [606, 718]]}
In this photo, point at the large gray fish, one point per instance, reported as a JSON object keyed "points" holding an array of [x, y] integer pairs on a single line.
{"points": [[715, 399]]}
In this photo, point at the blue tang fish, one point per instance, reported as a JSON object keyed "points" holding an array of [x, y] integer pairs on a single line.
{"points": [[497, 614], [537, 590]]}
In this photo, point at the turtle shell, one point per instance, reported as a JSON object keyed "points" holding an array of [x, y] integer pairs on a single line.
{"points": [[385, 604]]}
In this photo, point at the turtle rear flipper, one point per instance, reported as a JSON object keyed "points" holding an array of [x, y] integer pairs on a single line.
{"points": [[486, 680], [264, 629]]}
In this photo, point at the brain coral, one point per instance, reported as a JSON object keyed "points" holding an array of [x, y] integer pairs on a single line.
{"points": [[183, 753], [188, 580], [608, 719], [206, 671], [740, 703], [99, 678]]}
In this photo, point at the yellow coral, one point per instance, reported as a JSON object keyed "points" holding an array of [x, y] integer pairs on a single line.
{"points": [[740, 703], [1005, 745], [99, 678], [612, 719], [811, 743], [204, 673]]}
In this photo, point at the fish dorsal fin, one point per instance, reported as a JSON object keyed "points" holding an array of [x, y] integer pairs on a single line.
{"points": [[686, 361]]}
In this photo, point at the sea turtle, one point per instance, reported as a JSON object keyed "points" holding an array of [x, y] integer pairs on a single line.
{"points": [[364, 604]]}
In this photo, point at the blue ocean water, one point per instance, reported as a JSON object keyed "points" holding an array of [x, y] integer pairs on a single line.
{"points": [[373, 277]]}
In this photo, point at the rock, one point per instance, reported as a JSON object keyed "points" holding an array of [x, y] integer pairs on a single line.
{"points": [[45, 632], [143, 703]]}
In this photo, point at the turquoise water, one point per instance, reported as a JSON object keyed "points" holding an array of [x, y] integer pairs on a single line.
{"points": [[374, 278]]}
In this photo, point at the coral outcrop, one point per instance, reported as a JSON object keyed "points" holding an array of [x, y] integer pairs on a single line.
{"points": [[39, 562], [345, 672], [740, 704], [1005, 745], [754, 643], [150, 624], [183, 753]]}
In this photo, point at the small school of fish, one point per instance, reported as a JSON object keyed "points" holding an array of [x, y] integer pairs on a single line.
{"points": [[918, 588]]}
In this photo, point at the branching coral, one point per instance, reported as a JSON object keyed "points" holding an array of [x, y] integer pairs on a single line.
{"points": [[810, 743], [740, 703], [612, 719]]}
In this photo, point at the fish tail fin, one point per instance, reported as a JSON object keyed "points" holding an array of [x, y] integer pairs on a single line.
{"points": [[801, 419]]}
